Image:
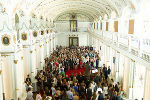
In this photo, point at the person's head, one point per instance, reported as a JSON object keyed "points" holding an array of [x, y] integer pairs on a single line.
{"points": [[115, 93], [75, 84], [99, 92], [66, 75], [38, 92]]}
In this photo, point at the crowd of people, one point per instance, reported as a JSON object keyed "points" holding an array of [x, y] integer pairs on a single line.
{"points": [[53, 84]]}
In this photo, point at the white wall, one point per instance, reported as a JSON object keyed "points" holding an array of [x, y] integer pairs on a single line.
{"points": [[62, 39], [64, 26]]}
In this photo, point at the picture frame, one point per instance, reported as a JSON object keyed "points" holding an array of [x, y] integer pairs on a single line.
{"points": [[34, 33], [24, 36], [5, 40], [42, 32]]}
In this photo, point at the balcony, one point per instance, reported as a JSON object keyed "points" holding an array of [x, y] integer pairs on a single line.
{"points": [[130, 43], [78, 29]]}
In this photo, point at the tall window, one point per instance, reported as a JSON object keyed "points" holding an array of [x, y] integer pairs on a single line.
{"points": [[73, 25], [106, 26], [116, 26], [131, 26], [101, 25]]}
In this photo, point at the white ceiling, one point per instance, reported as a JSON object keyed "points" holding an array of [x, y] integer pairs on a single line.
{"points": [[54, 8]]}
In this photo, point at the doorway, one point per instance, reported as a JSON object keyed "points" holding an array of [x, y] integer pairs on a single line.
{"points": [[73, 41]]}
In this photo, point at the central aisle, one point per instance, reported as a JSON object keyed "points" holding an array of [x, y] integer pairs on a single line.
{"points": [[75, 71]]}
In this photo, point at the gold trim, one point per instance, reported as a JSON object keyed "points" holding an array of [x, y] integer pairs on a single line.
{"points": [[31, 51], [0, 72], [21, 58], [25, 46], [32, 72], [40, 45], [132, 60], [15, 61], [14, 38], [5, 55]]}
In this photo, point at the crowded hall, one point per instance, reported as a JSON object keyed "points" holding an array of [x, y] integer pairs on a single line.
{"points": [[74, 50]]}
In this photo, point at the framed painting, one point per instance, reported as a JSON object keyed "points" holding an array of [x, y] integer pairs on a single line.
{"points": [[34, 34], [47, 31], [5, 40], [24, 36], [42, 32]]}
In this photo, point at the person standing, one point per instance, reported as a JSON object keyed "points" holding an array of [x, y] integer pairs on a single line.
{"points": [[38, 96], [70, 94], [29, 94]]}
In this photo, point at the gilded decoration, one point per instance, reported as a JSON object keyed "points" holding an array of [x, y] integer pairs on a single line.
{"points": [[14, 38], [15, 61], [0, 72]]}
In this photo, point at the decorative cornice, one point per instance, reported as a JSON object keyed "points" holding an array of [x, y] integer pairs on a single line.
{"points": [[5, 55]]}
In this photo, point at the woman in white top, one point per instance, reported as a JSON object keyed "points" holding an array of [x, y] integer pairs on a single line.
{"points": [[105, 90], [38, 96]]}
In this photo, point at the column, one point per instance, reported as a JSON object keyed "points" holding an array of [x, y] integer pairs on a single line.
{"points": [[17, 82], [126, 75], [1, 81], [33, 63], [117, 66], [131, 78], [26, 61], [8, 76], [47, 47], [147, 85], [113, 61]]}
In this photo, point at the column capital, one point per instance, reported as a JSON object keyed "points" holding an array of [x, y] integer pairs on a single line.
{"points": [[15, 61], [31, 51]]}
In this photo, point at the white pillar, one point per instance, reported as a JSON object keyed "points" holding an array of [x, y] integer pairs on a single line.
{"points": [[33, 64], [8, 76], [126, 75], [47, 47], [26, 61], [117, 66], [147, 85], [131, 78], [1, 81]]}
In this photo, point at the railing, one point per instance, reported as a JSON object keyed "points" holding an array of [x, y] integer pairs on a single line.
{"points": [[127, 43], [78, 29]]}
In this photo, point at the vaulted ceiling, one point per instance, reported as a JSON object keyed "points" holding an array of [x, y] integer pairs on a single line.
{"points": [[54, 8], [93, 8]]}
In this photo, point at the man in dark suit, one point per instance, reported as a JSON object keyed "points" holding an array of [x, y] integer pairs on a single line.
{"points": [[28, 79]]}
